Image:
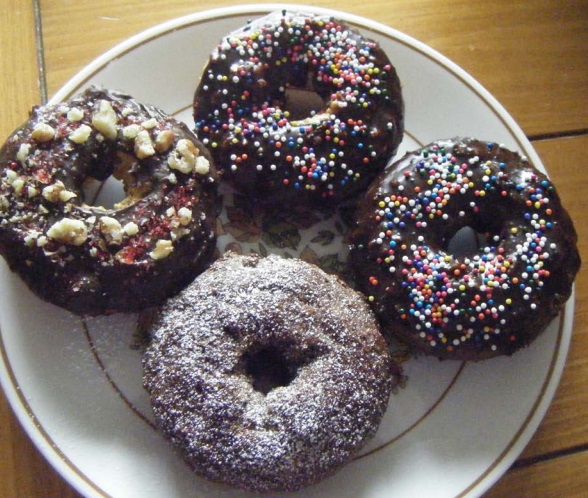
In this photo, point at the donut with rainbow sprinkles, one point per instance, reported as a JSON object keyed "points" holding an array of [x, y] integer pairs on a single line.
{"points": [[299, 106], [435, 290]]}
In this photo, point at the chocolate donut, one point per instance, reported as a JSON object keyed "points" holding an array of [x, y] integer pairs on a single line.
{"points": [[267, 373], [438, 298], [92, 259], [275, 144]]}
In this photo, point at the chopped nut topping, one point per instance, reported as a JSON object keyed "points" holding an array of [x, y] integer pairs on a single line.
{"points": [[69, 231], [185, 215], [10, 175], [104, 120], [184, 156], [150, 123], [81, 134], [74, 114], [202, 165], [57, 192], [32, 192], [23, 153], [131, 131], [163, 248], [143, 145], [18, 185], [66, 195], [111, 229], [42, 132], [164, 140], [31, 239], [131, 228]]}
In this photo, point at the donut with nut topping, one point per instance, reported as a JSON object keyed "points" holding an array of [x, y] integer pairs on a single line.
{"points": [[92, 259]]}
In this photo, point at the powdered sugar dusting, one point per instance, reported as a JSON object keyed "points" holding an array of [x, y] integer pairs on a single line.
{"points": [[203, 395]]}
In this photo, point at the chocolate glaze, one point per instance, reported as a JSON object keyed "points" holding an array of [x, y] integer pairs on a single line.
{"points": [[266, 373], [470, 307], [242, 113], [91, 259]]}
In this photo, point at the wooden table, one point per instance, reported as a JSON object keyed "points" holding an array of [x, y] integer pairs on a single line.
{"points": [[532, 55]]}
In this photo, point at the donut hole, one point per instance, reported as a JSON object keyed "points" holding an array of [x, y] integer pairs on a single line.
{"points": [[466, 242], [106, 194], [268, 369], [118, 190], [302, 103], [483, 231]]}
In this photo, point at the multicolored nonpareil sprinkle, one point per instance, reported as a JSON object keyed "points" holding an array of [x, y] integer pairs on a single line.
{"points": [[246, 114], [477, 301]]}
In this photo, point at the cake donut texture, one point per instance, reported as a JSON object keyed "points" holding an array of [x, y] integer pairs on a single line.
{"points": [[246, 111], [493, 299], [93, 259], [267, 373]]}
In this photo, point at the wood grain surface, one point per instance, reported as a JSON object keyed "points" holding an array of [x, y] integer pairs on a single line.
{"points": [[531, 55]]}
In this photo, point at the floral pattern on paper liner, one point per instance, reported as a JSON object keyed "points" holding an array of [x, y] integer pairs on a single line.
{"points": [[301, 232]]}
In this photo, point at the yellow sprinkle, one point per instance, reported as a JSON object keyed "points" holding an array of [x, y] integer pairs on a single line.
{"points": [[462, 287], [371, 299], [514, 230], [508, 301], [381, 204]]}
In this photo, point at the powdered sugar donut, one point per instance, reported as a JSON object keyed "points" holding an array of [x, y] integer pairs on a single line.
{"points": [[267, 373]]}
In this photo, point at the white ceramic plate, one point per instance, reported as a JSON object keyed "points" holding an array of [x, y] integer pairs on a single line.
{"points": [[76, 385]]}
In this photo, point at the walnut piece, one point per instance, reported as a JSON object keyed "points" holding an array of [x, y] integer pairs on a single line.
{"points": [[163, 248], [104, 120], [69, 231], [80, 135], [143, 145], [42, 132]]}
